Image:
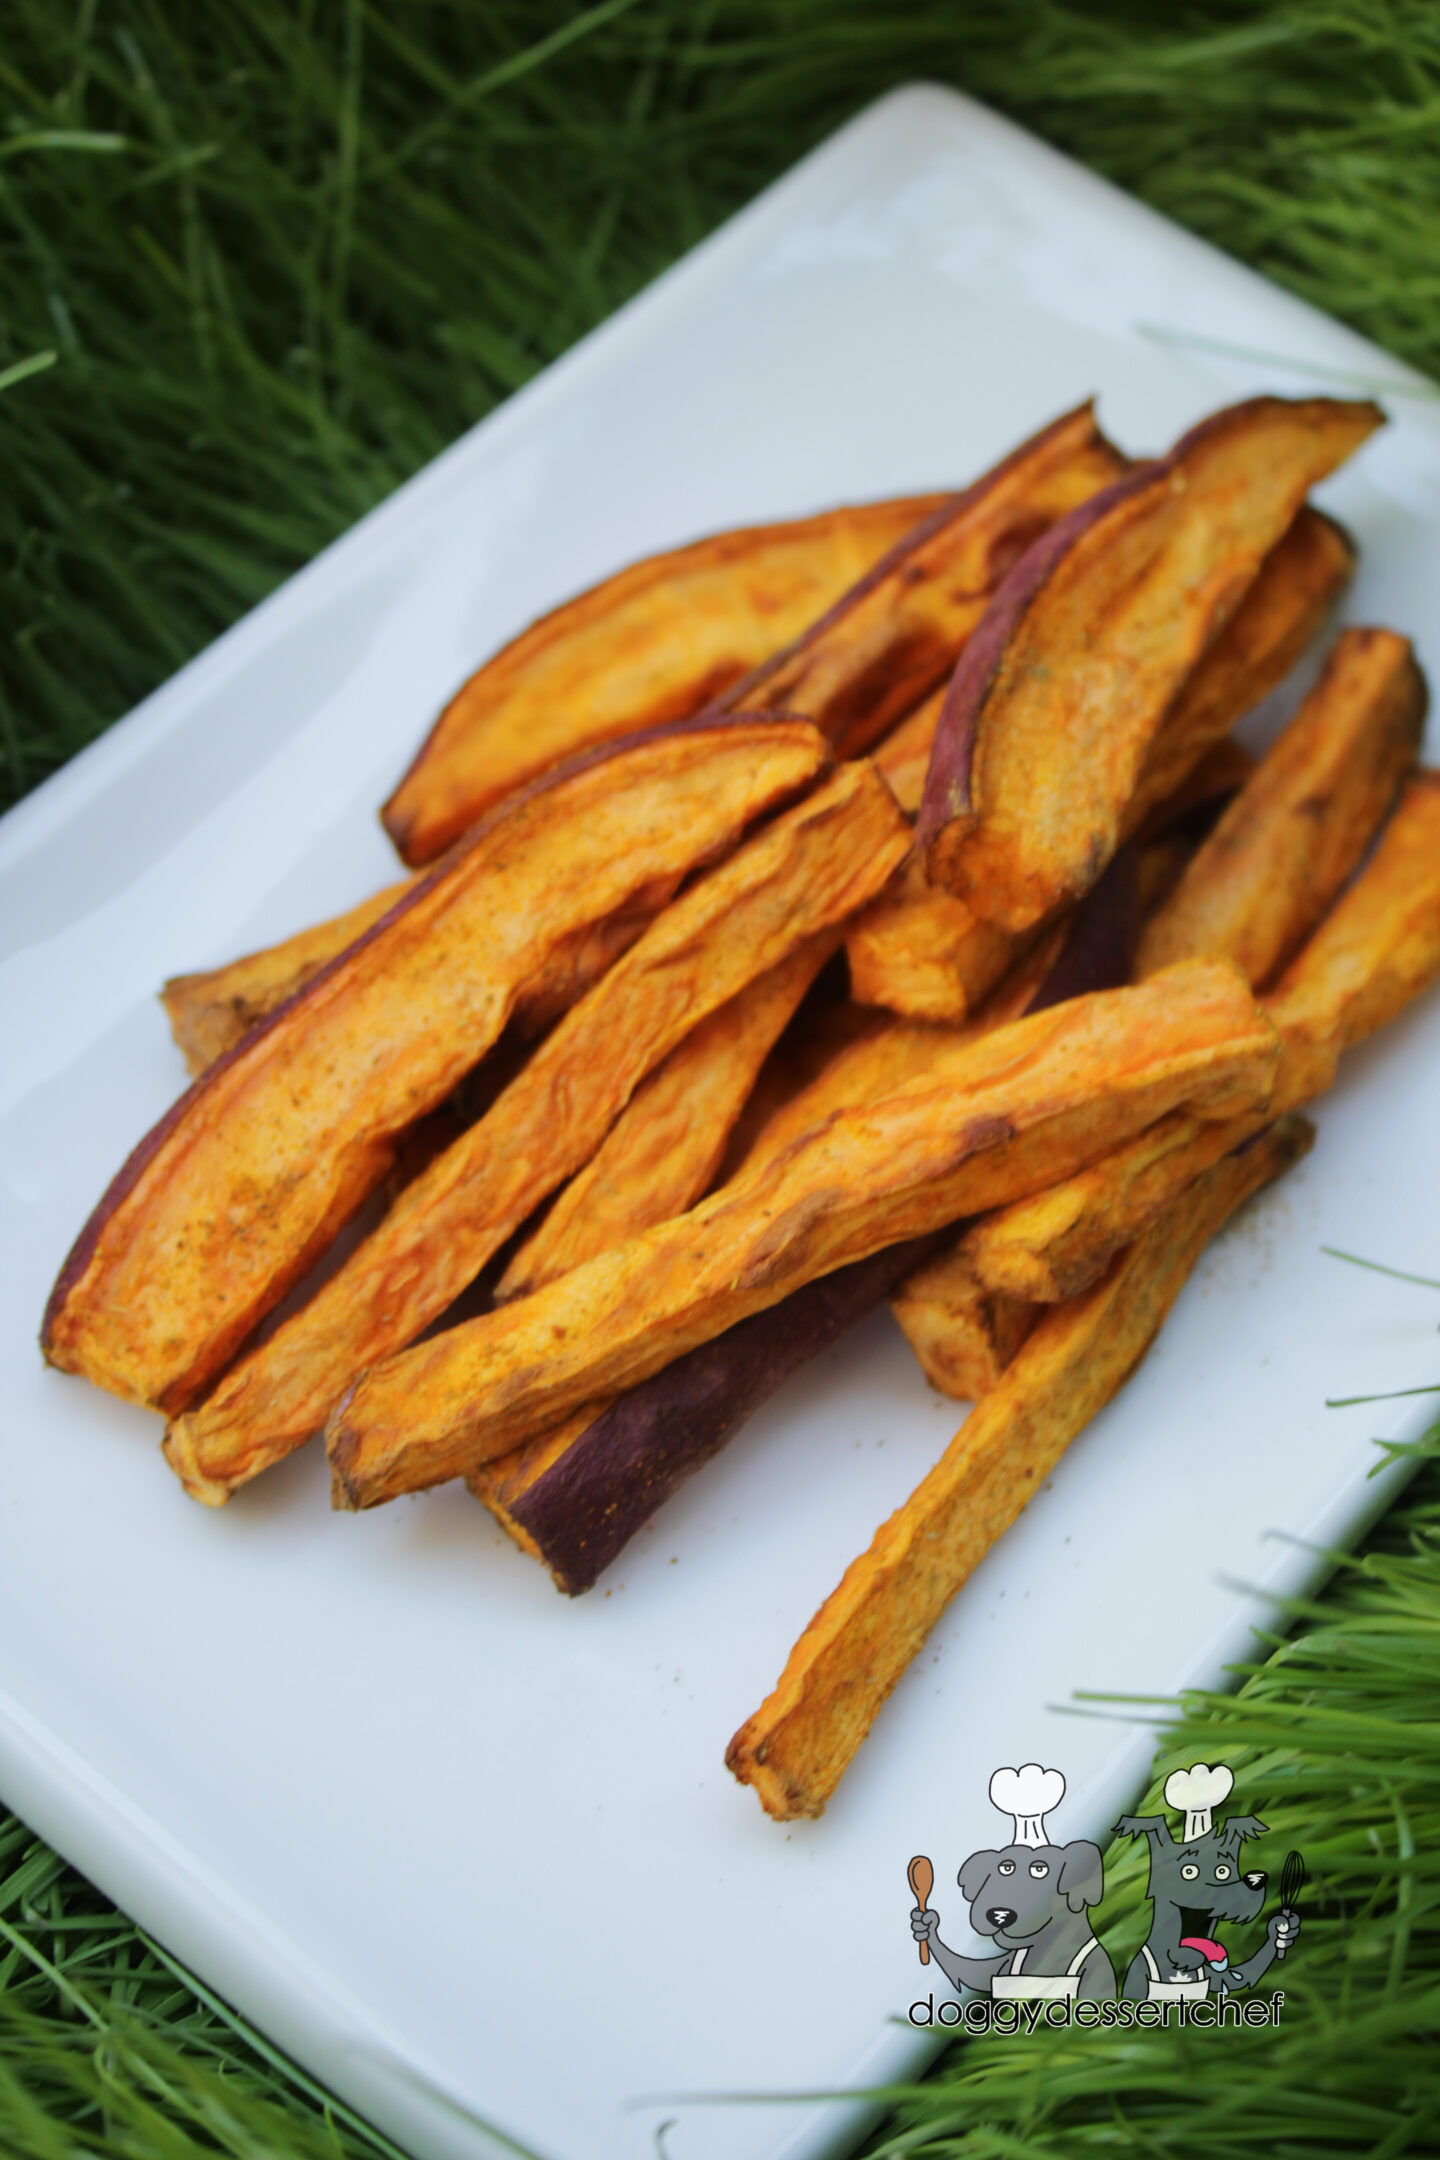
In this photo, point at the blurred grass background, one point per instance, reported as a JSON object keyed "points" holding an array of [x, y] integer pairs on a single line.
{"points": [[259, 262]]}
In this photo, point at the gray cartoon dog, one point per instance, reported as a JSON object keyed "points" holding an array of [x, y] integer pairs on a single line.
{"points": [[1195, 1882], [1033, 1898]]}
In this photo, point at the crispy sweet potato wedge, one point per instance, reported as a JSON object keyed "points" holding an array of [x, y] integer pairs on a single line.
{"points": [[963, 1334], [210, 1011], [1058, 698], [575, 1497], [1056, 1244], [1378, 949], [1296, 831], [244, 1183], [664, 1149], [649, 645], [1295, 588], [797, 1746], [921, 952], [804, 871], [883, 1053], [896, 634], [1282, 614], [1011, 1113], [818, 1034]]}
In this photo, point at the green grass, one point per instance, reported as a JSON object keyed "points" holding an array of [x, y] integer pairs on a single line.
{"points": [[258, 262]]}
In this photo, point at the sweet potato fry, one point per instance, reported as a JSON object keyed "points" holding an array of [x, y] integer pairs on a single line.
{"points": [[1378, 949], [804, 871], [875, 1058], [1056, 1244], [1294, 590], [1298, 828], [1057, 700], [963, 1334], [896, 635], [575, 1497], [817, 1035], [664, 1149], [798, 1745], [210, 1011], [921, 952], [649, 645], [245, 1182], [1285, 609], [1009, 1114]]}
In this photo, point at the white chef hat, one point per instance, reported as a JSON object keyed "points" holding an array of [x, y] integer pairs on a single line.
{"points": [[1028, 1794], [1199, 1790]]}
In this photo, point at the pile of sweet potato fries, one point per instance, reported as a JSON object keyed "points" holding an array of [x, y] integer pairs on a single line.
{"points": [[873, 906]]}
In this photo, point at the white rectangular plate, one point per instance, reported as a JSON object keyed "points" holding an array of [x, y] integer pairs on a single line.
{"points": [[457, 1843]]}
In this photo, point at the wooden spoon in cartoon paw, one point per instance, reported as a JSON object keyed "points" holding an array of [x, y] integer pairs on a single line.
{"points": [[922, 1882]]}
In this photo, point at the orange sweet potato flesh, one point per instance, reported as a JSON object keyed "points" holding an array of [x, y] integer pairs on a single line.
{"points": [[210, 1012], [1054, 1245], [244, 1183], [1255, 888], [874, 1054], [963, 1334], [649, 645], [1009, 1114], [922, 952], [1298, 828], [797, 1746], [665, 1148], [1377, 950], [1284, 611], [897, 634], [919, 951], [1294, 591], [817, 1035], [804, 871], [1060, 695]]}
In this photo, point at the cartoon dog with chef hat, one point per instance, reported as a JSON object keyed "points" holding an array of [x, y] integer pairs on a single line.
{"points": [[1196, 1883], [1032, 1898]]}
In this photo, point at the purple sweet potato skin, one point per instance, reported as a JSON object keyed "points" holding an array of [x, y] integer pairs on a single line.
{"points": [[952, 756], [586, 1507]]}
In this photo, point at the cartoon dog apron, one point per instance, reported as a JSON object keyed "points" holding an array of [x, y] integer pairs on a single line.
{"points": [[1016, 1985], [1158, 1990]]}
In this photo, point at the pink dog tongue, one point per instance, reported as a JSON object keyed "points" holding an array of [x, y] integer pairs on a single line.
{"points": [[1214, 1952]]}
